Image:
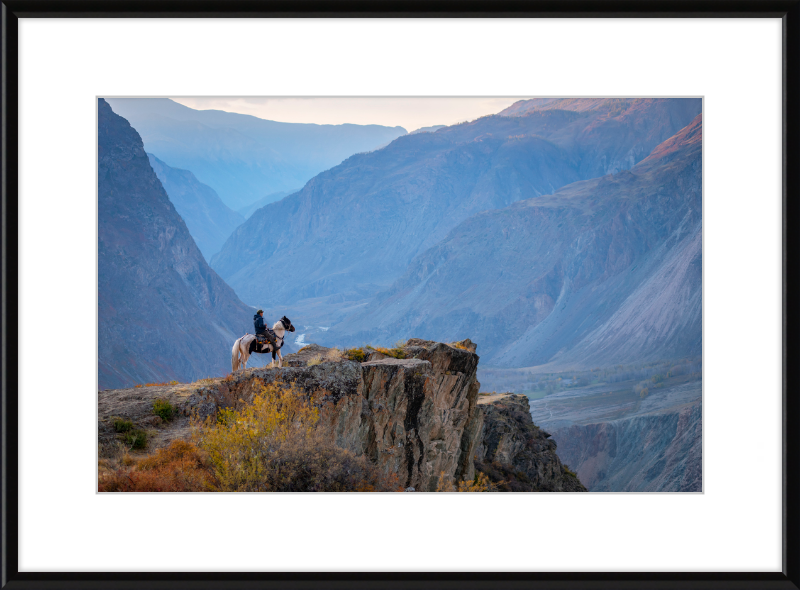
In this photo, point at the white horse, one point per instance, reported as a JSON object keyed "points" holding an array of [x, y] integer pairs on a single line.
{"points": [[247, 344]]}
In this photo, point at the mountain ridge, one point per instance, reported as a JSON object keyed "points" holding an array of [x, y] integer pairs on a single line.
{"points": [[163, 313], [243, 157], [390, 205], [209, 220], [620, 253]]}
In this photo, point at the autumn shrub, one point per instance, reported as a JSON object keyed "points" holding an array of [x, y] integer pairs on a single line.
{"points": [[395, 352], [136, 439], [163, 409], [180, 467], [356, 354], [314, 360], [122, 425], [480, 483], [273, 445], [569, 472]]}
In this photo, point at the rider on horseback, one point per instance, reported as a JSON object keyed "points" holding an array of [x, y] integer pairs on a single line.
{"points": [[262, 331]]}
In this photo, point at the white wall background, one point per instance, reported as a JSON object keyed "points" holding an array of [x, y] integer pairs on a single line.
{"points": [[734, 525]]}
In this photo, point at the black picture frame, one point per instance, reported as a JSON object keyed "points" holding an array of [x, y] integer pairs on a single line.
{"points": [[13, 10]]}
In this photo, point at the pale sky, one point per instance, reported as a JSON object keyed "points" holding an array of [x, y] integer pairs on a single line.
{"points": [[410, 113]]}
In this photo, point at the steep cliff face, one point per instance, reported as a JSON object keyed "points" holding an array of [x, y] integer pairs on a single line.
{"points": [[618, 441], [163, 314], [512, 449], [209, 220], [417, 417]]}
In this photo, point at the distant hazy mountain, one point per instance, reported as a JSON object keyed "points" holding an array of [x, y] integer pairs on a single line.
{"points": [[163, 314], [353, 229], [240, 156], [247, 211], [603, 271], [210, 221], [430, 129]]}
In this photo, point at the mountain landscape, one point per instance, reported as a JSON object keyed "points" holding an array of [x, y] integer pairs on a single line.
{"points": [[209, 220], [247, 211], [562, 235], [163, 314], [353, 230], [601, 272], [243, 158]]}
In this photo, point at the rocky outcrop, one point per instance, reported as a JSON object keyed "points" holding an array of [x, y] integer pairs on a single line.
{"points": [[417, 417], [515, 453]]}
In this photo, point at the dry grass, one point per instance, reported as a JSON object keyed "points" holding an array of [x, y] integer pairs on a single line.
{"points": [[157, 384], [334, 355], [314, 360], [180, 467]]}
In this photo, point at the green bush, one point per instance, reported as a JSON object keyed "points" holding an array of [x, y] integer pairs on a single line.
{"points": [[122, 425], [164, 409], [137, 439]]}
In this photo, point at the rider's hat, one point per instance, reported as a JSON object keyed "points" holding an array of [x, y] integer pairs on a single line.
{"points": [[260, 311]]}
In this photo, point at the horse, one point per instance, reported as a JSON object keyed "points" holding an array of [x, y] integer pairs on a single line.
{"points": [[248, 344]]}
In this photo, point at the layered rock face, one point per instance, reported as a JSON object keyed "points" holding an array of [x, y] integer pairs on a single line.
{"points": [[163, 314], [417, 417], [512, 449], [654, 446]]}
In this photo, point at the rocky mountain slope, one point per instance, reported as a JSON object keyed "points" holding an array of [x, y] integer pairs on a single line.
{"points": [[617, 440], [163, 314], [209, 220], [418, 417], [240, 156], [354, 229], [601, 272], [247, 211]]}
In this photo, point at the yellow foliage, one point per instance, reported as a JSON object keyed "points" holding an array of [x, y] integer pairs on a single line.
{"points": [[239, 443], [481, 483]]}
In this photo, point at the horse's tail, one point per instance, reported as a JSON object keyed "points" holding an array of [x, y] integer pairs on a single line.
{"points": [[235, 356]]}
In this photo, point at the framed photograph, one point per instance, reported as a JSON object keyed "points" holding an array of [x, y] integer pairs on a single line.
{"points": [[537, 251]]}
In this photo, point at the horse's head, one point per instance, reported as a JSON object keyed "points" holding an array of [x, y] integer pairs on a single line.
{"points": [[287, 323]]}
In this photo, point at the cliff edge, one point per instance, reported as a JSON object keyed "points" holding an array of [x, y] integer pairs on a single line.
{"points": [[417, 416]]}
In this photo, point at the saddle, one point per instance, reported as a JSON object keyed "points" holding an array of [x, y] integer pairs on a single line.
{"points": [[262, 338]]}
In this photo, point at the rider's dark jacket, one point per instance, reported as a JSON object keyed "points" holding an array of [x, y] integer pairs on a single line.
{"points": [[258, 322]]}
